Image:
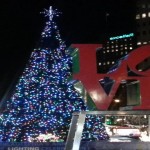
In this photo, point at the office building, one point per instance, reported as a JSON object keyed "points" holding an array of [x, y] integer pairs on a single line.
{"points": [[114, 48], [142, 20]]}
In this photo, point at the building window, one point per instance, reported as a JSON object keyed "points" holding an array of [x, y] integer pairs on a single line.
{"points": [[116, 50], [112, 50], [107, 51], [144, 15], [113, 62], [108, 62], [138, 43], [148, 14], [138, 16], [144, 32], [144, 42], [144, 23], [143, 6], [138, 33], [99, 64], [148, 5], [138, 25], [131, 48]]}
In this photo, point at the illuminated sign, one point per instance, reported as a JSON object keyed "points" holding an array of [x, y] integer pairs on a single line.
{"points": [[122, 36]]}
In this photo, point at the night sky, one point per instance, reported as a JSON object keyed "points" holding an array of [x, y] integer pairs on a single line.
{"points": [[81, 21]]}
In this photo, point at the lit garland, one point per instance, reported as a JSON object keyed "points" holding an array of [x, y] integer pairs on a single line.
{"points": [[43, 100]]}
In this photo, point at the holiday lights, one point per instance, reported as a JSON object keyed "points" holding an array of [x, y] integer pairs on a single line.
{"points": [[43, 100]]}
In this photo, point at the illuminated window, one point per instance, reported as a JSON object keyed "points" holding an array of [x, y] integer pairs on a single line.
{"points": [[144, 42], [138, 43], [131, 48], [99, 64], [126, 52], [116, 45], [138, 16], [112, 46], [148, 14], [104, 52], [107, 47], [104, 63], [112, 50], [107, 51], [116, 50], [113, 62], [144, 15], [125, 48], [108, 62]]}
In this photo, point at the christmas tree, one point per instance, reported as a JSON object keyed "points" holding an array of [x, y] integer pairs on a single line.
{"points": [[44, 98]]}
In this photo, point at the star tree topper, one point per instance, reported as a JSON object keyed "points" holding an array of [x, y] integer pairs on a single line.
{"points": [[50, 24], [51, 13]]}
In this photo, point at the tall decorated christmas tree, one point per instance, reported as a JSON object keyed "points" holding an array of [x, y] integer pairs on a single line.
{"points": [[43, 100]]}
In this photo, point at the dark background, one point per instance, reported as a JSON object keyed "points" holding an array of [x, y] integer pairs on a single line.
{"points": [[81, 21]]}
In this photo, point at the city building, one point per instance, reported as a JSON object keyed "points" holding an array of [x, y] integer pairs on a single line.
{"points": [[114, 48], [117, 46], [142, 20]]}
